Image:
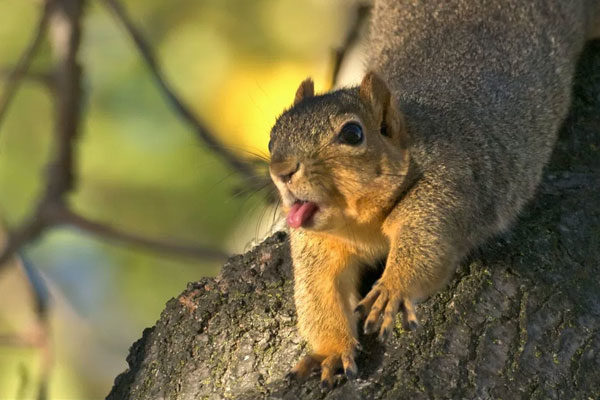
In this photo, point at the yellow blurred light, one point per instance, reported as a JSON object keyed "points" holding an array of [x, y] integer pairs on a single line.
{"points": [[252, 98]]}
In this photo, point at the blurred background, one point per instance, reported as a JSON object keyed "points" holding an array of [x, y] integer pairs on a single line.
{"points": [[237, 64]]}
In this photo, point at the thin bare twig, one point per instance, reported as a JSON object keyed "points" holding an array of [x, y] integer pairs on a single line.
{"points": [[15, 239], [51, 209], [339, 54], [38, 288], [15, 77], [44, 78], [65, 34], [121, 237], [43, 329], [201, 130], [65, 39]]}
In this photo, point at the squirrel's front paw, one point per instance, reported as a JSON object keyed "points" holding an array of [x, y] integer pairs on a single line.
{"points": [[384, 302], [329, 365]]}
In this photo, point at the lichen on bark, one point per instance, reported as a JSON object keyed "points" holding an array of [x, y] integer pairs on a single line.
{"points": [[520, 319]]}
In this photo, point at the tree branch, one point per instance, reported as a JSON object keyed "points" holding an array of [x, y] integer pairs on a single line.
{"points": [[51, 210], [44, 78], [15, 77], [201, 130], [121, 237], [24, 234], [65, 33]]}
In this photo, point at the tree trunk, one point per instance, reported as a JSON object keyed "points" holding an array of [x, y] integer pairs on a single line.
{"points": [[520, 319]]}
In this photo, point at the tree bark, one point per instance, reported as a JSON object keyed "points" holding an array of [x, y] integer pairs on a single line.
{"points": [[520, 319]]}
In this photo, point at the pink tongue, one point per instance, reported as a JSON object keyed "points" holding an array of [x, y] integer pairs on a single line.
{"points": [[300, 213]]}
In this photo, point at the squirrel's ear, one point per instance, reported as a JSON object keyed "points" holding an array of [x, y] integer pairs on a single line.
{"points": [[305, 90], [374, 91]]}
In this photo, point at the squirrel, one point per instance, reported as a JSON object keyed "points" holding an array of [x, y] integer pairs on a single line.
{"points": [[438, 149]]}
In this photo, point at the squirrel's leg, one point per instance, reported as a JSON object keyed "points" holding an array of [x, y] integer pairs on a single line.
{"points": [[325, 281], [425, 250]]}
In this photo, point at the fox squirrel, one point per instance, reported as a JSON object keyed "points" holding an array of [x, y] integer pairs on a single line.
{"points": [[436, 150]]}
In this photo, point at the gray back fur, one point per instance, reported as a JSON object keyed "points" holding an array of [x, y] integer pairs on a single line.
{"points": [[484, 86]]}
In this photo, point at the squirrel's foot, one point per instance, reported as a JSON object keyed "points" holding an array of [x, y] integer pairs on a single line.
{"points": [[380, 306], [329, 366]]}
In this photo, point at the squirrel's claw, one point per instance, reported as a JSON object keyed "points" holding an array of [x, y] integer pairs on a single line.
{"points": [[349, 365], [381, 306], [326, 385], [366, 303], [410, 321], [372, 321], [329, 366], [389, 316]]}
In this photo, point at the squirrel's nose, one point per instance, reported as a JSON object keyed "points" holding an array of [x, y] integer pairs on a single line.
{"points": [[286, 174]]}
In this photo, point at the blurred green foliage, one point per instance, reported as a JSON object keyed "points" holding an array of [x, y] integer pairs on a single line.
{"points": [[140, 168]]}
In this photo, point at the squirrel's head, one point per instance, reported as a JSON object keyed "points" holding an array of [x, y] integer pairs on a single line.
{"points": [[340, 157]]}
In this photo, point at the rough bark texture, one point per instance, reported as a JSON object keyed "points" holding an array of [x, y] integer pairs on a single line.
{"points": [[521, 318]]}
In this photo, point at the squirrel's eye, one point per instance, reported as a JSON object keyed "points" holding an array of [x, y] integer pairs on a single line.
{"points": [[351, 133], [271, 146]]}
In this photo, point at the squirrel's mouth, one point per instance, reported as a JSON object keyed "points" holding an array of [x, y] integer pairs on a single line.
{"points": [[301, 213]]}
